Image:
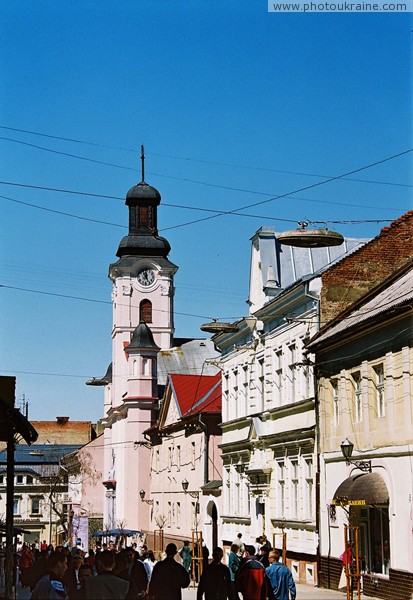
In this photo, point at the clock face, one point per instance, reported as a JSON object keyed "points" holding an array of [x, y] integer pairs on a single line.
{"points": [[145, 277]]}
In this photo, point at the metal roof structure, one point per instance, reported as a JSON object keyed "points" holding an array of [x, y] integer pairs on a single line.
{"points": [[395, 295], [187, 359]]}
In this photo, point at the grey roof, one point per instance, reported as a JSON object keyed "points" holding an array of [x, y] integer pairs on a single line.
{"points": [[142, 339], [188, 358], [398, 293], [290, 263], [37, 454], [42, 460], [144, 191]]}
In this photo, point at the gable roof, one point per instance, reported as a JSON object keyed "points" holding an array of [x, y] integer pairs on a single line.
{"points": [[394, 293], [196, 394]]}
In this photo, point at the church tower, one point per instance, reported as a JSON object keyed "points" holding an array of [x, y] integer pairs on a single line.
{"points": [[142, 298], [143, 288]]}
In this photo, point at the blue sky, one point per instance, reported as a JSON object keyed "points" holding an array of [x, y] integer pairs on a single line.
{"points": [[234, 106]]}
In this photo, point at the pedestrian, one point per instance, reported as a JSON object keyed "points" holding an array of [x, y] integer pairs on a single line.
{"points": [[263, 556], [106, 585], [85, 571], [280, 579], [26, 560], [149, 564], [233, 565], [215, 580], [71, 577], [239, 543], [186, 556], [51, 585], [134, 571], [250, 579], [168, 577]]}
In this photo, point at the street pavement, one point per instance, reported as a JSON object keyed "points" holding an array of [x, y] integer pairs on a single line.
{"points": [[304, 592]]}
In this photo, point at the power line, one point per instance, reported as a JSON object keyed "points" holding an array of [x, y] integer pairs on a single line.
{"points": [[195, 208], [190, 159], [83, 299], [215, 212], [307, 187]]}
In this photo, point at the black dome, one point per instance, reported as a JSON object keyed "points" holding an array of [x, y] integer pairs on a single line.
{"points": [[144, 245], [143, 191]]}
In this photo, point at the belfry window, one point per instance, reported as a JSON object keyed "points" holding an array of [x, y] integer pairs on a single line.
{"points": [[145, 311], [144, 216]]}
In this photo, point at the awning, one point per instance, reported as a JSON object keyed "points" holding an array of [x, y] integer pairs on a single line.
{"points": [[362, 489]]}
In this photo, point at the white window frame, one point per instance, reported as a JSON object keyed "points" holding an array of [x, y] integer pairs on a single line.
{"points": [[295, 485], [336, 402], [358, 397], [379, 387]]}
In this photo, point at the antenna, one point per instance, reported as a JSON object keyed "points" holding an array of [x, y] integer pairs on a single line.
{"points": [[143, 162]]}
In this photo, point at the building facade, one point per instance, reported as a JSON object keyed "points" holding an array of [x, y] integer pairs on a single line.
{"points": [[269, 435], [186, 474], [41, 500], [364, 359]]}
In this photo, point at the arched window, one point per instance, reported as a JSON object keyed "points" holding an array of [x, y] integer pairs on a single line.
{"points": [[145, 311]]}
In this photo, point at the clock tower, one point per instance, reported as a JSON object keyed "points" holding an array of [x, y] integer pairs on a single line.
{"points": [[143, 288]]}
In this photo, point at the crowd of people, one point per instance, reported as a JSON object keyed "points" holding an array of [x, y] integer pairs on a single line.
{"points": [[61, 573]]}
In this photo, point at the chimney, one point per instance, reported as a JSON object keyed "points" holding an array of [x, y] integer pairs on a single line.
{"points": [[62, 420]]}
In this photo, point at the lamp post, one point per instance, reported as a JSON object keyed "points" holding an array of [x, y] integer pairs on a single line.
{"points": [[185, 485], [142, 494], [347, 450]]}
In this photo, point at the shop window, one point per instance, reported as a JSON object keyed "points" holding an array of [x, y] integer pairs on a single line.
{"points": [[145, 311], [379, 540]]}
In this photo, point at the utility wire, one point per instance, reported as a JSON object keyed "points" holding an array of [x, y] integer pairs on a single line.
{"points": [[190, 159], [195, 208], [215, 212], [307, 187]]}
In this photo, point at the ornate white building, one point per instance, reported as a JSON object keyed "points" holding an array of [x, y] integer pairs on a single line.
{"points": [[269, 441]]}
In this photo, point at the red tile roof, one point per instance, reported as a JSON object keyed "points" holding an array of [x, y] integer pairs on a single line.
{"points": [[197, 393]]}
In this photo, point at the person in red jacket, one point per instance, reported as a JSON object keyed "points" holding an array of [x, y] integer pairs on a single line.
{"points": [[250, 578]]}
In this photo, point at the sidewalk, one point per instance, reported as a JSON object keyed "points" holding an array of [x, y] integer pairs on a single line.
{"points": [[304, 592]]}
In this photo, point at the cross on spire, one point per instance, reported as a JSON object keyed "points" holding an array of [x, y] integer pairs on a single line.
{"points": [[143, 162]]}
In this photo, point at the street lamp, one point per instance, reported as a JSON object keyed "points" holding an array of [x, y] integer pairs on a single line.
{"points": [[142, 494], [185, 485], [347, 451]]}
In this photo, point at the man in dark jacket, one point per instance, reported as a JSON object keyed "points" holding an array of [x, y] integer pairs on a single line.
{"points": [[168, 577], [215, 580], [250, 578], [106, 585], [135, 572]]}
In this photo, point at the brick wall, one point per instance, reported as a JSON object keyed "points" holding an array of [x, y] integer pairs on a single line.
{"points": [[355, 275], [398, 586]]}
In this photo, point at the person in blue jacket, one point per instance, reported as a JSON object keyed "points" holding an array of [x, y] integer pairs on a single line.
{"points": [[280, 579]]}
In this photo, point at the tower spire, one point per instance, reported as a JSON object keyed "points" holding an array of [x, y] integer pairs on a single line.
{"points": [[143, 162]]}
